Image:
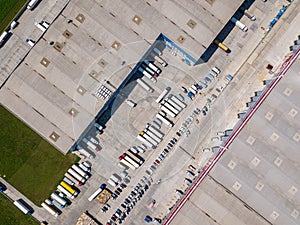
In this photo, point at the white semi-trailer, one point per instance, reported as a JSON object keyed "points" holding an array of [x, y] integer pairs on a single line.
{"points": [[50, 209], [152, 66], [171, 107], [22, 207], [155, 131], [240, 25], [174, 104], [134, 157], [60, 200], [162, 95], [95, 194], [80, 171], [68, 181], [73, 179], [168, 111], [152, 135], [84, 152], [149, 70], [32, 4], [176, 100], [131, 161], [145, 141], [76, 175], [148, 75], [145, 85], [64, 191], [125, 162], [164, 120], [84, 168], [90, 144], [150, 139]]}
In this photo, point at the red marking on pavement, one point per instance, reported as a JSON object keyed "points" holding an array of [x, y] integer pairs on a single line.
{"points": [[286, 66]]}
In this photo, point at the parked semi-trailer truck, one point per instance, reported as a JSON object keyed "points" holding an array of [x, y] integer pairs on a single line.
{"points": [[22, 207], [51, 210], [174, 104], [84, 152], [153, 67], [146, 74], [90, 144], [97, 192], [80, 171], [238, 23], [68, 181], [60, 200], [167, 110], [134, 157], [152, 135], [176, 100], [126, 163], [164, 120], [145, 141], [68, 188], [32, 4], [3, 38], [130, 160], [155, 131], [150, 139], [64, 191], [145, 85], [76, 175], [171, 107], [222, 46], [162, 95], [73, 179], [149, 70]]}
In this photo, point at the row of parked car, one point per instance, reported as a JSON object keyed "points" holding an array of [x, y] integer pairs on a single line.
{"points": [[129, 202]]}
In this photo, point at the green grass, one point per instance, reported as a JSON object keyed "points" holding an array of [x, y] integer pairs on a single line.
{"points": [[8, 10], [27, 161]]}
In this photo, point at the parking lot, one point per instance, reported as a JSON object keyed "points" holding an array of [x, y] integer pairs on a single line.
{"points": [[61, 86]]}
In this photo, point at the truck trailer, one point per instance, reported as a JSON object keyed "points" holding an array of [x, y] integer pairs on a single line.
{"points": [[49, 209], [162, 95], [150, 139], [22, 207], [126, 163], [68, 188], [145, 141], [240, 25], [32, 4], [73, 179], [80, 171], [95, 194], [155, 131], [134, 157], [167, 110], [153, 67], [90, 144], [76, 175], [60, 200], [178, 102], [152, 135], [164, 120], [174, 104], [64, 191], [146, 74], [171, 107]]}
